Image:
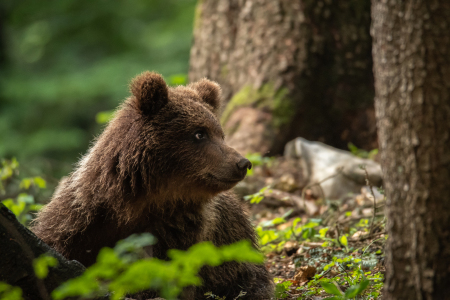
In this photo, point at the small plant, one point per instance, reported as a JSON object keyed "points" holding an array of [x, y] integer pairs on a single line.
{"points": [[350, 293], [8, 292], [24, 202], [281, 289], [41, 265], [257, 197], [362, 153]]}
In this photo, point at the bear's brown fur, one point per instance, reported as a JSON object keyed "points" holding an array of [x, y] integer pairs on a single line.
{"points": [[160, 166]]}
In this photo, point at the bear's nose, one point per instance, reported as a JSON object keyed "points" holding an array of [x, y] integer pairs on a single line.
{"points": [[244, 164]]}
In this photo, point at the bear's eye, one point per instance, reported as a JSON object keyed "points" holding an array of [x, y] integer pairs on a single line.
{"points": [[200, 135]]}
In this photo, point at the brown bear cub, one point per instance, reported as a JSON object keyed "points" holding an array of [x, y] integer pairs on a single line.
{"points": [[160, 166]]}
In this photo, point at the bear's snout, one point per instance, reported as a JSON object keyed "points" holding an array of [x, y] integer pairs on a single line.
{"points": [[244, 164]]}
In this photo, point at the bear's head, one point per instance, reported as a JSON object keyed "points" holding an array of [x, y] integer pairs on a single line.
{"points": [[174, 141]]}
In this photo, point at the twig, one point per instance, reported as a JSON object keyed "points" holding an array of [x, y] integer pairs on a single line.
{"points": [[362, 255], [344, 270], [374, 199], [369, 236], [326, 272], [349, 219], [338, 234]]}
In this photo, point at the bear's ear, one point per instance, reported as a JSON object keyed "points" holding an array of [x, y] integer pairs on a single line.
{"points": [[210, 93], [151, 92]]}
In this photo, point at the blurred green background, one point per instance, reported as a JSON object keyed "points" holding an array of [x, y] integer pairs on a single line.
{"points": [[63, 62]]}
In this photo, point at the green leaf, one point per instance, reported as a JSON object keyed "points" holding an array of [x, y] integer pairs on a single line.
{"points": [[35, 207], [263, 189], [331, 288], [9, 203], [275, 221], [41, 265], [40, 182], [323, 232], [267, 236], [316, 221], [353, 149], [311, 225], [16, 209], [8, 292], [177, 79], [356, 289], [295, 222], [25, 183], [343, 240], [104, 116], [351, 292], [256, 199], [25, 198], [328, 266], [363, 286], [373, 153], [131, 246], [281, 289]]}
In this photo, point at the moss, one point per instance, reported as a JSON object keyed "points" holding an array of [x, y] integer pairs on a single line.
{"points": [[277, 101], [198, 14], [224, 71], [245, 97], [283, 108]]}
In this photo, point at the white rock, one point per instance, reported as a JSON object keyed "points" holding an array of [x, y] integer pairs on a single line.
{"points": [[320, 161]]}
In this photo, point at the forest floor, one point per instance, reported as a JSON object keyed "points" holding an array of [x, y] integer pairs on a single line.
{"points": [[318, 248]]}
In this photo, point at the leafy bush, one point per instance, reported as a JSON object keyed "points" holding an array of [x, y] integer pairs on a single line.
{"points": [[8, 292], [22, 191], [115, 272]]}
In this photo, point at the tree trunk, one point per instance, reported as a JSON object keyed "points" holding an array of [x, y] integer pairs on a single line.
{"points": [[411, 51], [288, 68]]}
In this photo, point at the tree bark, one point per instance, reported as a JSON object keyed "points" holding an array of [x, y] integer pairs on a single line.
{"points": [[287, 69], [18, 248], [411, 50]]}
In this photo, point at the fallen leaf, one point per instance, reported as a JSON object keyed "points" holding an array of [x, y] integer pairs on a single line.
{"points": [[305, 273]]}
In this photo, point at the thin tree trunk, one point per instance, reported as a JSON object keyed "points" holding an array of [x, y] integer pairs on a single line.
{"points": [[288, 68], [411, 50]]}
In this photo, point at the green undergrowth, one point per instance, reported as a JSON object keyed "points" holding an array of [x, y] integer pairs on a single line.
{"points": [[343, 268], [18, 194], [115, 272]]}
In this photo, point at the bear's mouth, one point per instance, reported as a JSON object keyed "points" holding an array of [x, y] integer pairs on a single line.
{"points": [[226, 181]]}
